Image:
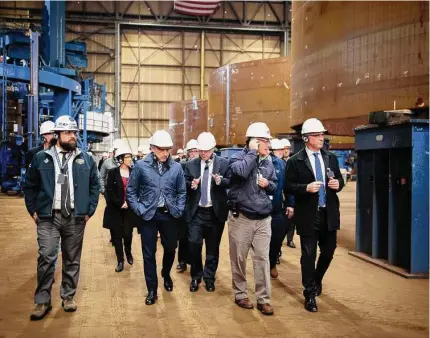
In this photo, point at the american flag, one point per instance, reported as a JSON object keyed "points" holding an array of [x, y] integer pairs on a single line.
{"points": [[196, 8]]}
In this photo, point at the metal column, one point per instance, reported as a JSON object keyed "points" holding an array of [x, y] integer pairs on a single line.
{"points": [[117, 115], [202, 66], [33, 113]]}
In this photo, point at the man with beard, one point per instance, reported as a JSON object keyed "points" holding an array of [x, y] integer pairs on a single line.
{"points": [[61, 194], [48, 140]]}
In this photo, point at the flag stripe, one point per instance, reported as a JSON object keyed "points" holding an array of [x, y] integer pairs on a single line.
{"points": [[196, 7]]}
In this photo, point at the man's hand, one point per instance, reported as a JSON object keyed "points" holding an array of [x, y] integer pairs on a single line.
{"points": [[217, 179], [35, 217], [253, 144], [289, 212], [195, 183], [124, 206], [333, 184], [314, 186], [262, 182]]}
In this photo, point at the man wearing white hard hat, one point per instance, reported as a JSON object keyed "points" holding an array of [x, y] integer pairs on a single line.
{"points": [[191, 152], [206, 212], [291, 225], [47, 136], [156, 193], [253, 179], [140, 154], [281, 210], [313, 176], [61, 193], [105, 156]]}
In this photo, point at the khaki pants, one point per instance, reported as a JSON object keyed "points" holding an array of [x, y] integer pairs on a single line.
{"points": [[245, 234]]}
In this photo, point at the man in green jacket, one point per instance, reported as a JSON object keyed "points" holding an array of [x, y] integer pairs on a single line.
{"points": [[61, 194]]}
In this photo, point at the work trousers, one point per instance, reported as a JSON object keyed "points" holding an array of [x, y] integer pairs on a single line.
{"points": [[246, 234], [204, 225], [49, 231], [183, 250], [290, 231], [279, 227], [167, 226], [122, 233], [326, 240]]}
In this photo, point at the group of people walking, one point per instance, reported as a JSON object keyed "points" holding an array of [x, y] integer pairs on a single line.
{"points": [[259, 192]]}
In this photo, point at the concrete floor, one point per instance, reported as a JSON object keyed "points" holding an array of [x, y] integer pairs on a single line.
{"points": [[359, 299]]}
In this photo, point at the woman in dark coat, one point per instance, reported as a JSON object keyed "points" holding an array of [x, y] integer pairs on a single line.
{"points": [[118, 217]]}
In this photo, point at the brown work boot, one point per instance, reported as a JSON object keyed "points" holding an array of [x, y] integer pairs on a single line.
{"points": [[244, 303], [69, 304], [40, 311], [274, 273], [265, 309]]}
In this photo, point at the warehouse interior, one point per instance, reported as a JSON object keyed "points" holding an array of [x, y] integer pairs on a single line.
{"points": [[125, 69]]}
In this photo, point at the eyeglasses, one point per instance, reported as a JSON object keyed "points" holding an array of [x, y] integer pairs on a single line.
{"points": [[128, 156], [316, 135]]}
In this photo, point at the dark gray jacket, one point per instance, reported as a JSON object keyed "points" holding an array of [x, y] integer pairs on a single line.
{"points": [[253, 201], [146, 184]]}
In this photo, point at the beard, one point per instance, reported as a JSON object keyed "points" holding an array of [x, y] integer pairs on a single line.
{"points": [[68, 146]]}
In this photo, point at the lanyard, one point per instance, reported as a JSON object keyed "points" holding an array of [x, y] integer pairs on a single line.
{"points": [[59, 162]]}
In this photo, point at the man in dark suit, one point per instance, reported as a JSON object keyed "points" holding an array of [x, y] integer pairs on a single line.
{"points": [[207, 181], [313, 176]]}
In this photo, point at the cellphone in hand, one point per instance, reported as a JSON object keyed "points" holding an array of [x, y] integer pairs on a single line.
{"points": [[330, 173]]}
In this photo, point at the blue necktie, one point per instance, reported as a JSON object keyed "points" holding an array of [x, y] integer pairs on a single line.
{"points": [[320, 178], [161, 201], [204, 186]]}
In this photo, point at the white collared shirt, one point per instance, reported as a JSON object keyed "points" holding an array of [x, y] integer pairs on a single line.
{"points": [[57, 203], [312, 160], [202, 169]]}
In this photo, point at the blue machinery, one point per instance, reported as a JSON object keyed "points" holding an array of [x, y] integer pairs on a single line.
{"points": [[37, 84], [393, 198]]}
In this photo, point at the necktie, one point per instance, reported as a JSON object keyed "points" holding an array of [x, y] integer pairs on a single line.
{"points": [[320, 178], [161, 201], [205, 185], [65, 191]]}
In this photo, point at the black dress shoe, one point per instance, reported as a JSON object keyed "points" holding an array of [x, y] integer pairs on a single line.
{"points": [[210, 287], [278, 261], [318, 289], [168, 284], [194, 286], [151, 298], [130, 259], [119, 267], [181, 267], [311, 304], [291, 244]]}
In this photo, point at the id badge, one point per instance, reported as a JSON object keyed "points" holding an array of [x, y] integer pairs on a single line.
{"points": [[61, 179]]}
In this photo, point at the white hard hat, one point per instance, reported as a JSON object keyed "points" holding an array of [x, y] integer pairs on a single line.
{"points": [[122, 150], [117, 143], [276, 144], [161, 139], [111, 150], [47, 127], [140, 149], [65, 123], [206, 141], [180, 151], [105, 155], [258, 129], [313, 125], [191, 144], [286, 143]]}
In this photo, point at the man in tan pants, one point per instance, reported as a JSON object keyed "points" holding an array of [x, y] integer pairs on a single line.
{"points": [[253, 177]]}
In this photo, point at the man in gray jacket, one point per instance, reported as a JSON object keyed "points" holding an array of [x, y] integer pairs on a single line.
{"points": [[156, 193], [253, 177]]}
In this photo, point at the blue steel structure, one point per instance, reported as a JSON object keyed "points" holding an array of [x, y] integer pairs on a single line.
{"points": [[392, 220], [52, 68]]}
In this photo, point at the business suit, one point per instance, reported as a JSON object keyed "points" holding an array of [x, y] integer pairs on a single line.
{"points": [[206, 222], [315, 225]]}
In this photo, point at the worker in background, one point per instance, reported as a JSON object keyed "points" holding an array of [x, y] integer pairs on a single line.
{"points": [[118, 217], [280, 214], [111, 151], [253, 178], [180, 155], [105, 156], [139, 155], [47, 136], [156, 193], [291, 226], [192, 152], [110, 163], [313, 176], [206, 211], [61, 194]]}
